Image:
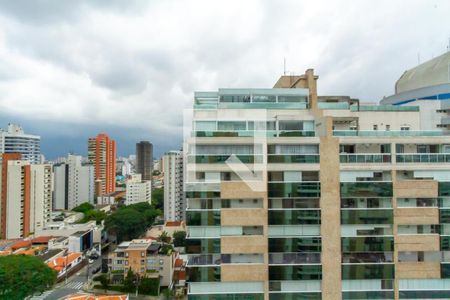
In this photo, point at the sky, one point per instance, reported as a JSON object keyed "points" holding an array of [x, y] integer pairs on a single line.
{"points": [[71, 69]]}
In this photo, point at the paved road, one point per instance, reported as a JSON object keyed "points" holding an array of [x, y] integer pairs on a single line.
{"points": [[74, 283]]}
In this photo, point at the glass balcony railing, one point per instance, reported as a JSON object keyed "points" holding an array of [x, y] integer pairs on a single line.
{"points": [[254, 133], [333, 105], [297, 158], [213, 159], [423, 158], [294, 258], [365, 158], [375, 133]]}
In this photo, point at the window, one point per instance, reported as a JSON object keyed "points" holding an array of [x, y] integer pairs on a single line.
{"points": [[388, 127], [375, 127], [404, 128]]}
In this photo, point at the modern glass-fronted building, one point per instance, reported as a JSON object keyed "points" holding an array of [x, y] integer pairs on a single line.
{"points": [[295, 196], [14, 140]]}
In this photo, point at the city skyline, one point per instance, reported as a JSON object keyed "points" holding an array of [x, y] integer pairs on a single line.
{"points": [[67, 77]]}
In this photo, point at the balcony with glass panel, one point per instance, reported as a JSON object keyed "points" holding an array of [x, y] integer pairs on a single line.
{"points": [[422, 153], [365, 153], [389, 133], [294, 258]]}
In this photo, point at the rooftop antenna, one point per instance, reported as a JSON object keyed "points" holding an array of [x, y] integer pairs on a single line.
{"points": [[418, 58], [284, 66]]}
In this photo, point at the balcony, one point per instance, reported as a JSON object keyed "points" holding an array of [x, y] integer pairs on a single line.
{"points": [[254, 133], [294, 258], [365, 158], [285, 158], [390, 133], [423, 158]]}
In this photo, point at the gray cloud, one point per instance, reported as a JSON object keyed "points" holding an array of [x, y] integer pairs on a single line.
{"points": [[134, 65]]}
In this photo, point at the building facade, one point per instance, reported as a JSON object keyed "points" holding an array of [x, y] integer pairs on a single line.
{"points": [[26, 196], [102, 154], [14, 140], [295, 196], [73, 183], [144, 257], [174, 200], [144, 159], [138, 190]]}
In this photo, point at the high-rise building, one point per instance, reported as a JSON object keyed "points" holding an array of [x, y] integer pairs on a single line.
{"points": [[14, 140], [102, 154], [295, 196], [428, 87], [174, 203], [73, 183], [26, 196], [138, 190], [144, 159]]}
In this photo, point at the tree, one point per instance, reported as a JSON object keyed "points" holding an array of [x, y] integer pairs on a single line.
{"points": [[129, 282], [104, 281], [164, 237], [158, 198], [179, 238], [126, 223], [149, 286], [24, 275], [83, 207]]}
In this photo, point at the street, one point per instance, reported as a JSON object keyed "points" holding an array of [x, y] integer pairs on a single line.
{"points": [[74, 283]]}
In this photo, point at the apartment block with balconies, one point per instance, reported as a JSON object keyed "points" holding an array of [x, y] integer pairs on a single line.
{"points": [[291, 195]]}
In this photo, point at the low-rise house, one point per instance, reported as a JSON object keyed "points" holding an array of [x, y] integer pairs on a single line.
{"points": [[144, 257], [64, 264]]}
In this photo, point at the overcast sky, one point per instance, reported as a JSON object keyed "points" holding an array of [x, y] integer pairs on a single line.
{"points": [[70, 69]]}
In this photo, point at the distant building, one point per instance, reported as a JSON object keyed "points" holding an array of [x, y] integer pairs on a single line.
{"points": [[14, 140], [102, 154], [138, 190], [81, 241], [26, 196], [123, 166], [111, 198], [144, 257], [144, 159], [174, 200], [428, 87], [73, 183]]}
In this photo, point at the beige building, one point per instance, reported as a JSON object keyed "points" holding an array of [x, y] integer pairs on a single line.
{"points": [[147, 258], [291, 195], [26, 196]]}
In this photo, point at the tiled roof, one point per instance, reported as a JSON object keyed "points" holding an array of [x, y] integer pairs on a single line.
{"points": [[94, 297], [59, 263]]}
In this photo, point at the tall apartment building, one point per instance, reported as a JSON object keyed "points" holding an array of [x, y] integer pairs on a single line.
{"points": [[428, 87], [295, 196], [174, 200], [102, 154], [26, 196], [144, 159], [14, 140], [73, 183], [138, 190]]}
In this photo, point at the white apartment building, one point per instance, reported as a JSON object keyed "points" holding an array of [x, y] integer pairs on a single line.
{"points": [[138, 190], [26, 196], [14, 140], [174, 200], [74, 183]]}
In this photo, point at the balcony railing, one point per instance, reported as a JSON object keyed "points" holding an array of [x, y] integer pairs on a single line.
{"points": [[252, 133], [212, 159], [423, 158], [295, 158], [294, 258], [390, 133], [365, 158]]}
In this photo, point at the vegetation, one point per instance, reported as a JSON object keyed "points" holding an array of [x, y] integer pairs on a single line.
{"points": [[164, 237], [104, 281], [149, 286], [129, 282], [179, 238], [131, 221], [24, 275], [90, 213], [158, 198]]}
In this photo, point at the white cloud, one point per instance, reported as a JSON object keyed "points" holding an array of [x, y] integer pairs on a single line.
{"points": [[138, 64]]}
